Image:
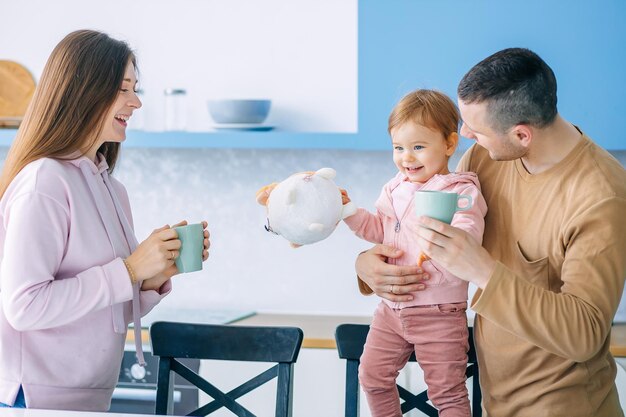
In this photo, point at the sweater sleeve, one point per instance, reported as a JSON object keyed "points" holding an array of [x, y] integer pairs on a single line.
{"points": [[149, 299], [574, 323], [472, 220], [366, 225], [33, 297]]}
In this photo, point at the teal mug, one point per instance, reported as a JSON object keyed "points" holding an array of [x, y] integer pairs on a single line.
{"points": [[440, 205], [192, 244]]}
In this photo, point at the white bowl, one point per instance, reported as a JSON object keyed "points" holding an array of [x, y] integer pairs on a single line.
{"points": [[239, 111]]}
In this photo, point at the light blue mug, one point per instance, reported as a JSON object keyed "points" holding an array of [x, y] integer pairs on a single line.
{"points": [[440, 205], [192, 244]]}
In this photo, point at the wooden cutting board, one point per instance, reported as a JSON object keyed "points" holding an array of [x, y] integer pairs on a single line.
{"points": [[17, 86]]}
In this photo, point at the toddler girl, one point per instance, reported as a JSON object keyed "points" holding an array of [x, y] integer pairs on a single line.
{"points": [[423, 128]]}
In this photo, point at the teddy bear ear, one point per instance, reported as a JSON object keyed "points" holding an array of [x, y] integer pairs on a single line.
{"points": [[264, 193], [327, 173]]}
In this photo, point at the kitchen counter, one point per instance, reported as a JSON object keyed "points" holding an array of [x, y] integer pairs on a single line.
{"points": [[183, 315], [23, 412], [319, 330]]}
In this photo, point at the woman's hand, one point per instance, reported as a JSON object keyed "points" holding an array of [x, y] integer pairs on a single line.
{"points": [[392, 282], [156, 254], [158, 280]]}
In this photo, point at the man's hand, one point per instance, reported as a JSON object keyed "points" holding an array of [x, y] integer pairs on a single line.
{"points": [[395, 283], [456, 251]]}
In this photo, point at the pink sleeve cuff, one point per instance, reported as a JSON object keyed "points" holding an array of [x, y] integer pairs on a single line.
{"points": [[117, 277], [149, 299]]}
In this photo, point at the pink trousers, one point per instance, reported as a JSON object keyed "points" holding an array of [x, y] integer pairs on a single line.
{"points": [[438, 334]]}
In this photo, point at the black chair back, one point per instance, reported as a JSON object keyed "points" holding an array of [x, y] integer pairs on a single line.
{"points": [[350, 339], [173, 341]]}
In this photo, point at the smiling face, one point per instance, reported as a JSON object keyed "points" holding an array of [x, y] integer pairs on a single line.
{"points": [[501, 146], [122, 109], [420, 152]]}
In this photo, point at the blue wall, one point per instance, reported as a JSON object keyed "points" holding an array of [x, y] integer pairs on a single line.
{"points": [[407, 44]]}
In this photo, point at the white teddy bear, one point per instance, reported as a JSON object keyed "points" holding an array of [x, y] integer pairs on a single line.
{"points": [[304, 208]]}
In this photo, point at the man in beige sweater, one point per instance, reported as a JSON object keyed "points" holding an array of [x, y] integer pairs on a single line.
{"points": [[551, 270]]}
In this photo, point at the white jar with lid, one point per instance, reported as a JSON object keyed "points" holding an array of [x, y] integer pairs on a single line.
{"points": [[175, 109]]}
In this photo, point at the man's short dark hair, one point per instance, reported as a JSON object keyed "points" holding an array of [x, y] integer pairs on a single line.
{"points": [[517, 85]]}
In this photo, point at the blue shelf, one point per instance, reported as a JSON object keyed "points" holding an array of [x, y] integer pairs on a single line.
{"points": [[248, 140], [262, 140], [251, 140]]}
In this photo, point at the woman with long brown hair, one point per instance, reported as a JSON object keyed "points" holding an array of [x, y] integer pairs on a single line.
{"points": [[72, 274]]}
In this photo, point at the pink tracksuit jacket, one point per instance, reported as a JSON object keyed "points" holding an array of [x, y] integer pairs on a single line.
{"points": [[396, 230], [66, 296]]}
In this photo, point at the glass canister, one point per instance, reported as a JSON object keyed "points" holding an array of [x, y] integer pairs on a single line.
{"points": [[175, 109]]}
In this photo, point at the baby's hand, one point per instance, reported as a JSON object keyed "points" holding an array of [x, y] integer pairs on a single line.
{"points": [[344, 197]]}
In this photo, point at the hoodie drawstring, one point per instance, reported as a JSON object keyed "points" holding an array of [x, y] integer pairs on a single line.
{"points": [[132, 243], [119, 323]]}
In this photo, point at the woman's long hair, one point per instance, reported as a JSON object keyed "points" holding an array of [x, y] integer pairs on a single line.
{"points": [[79, 84]]}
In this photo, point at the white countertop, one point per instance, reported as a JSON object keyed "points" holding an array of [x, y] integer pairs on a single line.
{"points": [[26, 412], [189, 315]]}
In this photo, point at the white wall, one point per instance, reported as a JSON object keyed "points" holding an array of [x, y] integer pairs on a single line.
{"points": [[249, 268], [301, 54]]}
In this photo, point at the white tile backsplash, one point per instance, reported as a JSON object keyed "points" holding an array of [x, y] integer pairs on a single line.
{"points": [[248, 268]]}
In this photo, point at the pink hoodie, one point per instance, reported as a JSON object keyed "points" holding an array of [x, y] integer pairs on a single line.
{"points": [[387, 228], [66, 297]]}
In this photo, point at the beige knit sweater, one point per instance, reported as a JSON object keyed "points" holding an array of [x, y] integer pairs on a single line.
{"points": [[543, 321]]}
